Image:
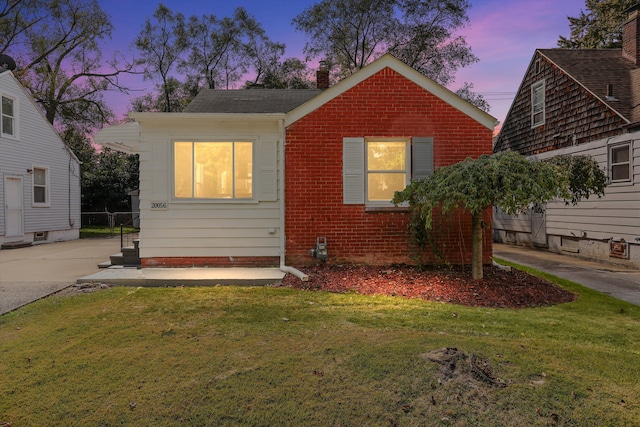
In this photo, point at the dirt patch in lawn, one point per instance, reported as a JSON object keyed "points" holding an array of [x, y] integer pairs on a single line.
{"points": [[500, 288]]}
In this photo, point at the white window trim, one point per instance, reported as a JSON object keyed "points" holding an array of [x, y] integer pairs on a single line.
{"points": [[534, 87], [16, 122], [232, 200], [628, 163], [407, 168], [47, 187]]}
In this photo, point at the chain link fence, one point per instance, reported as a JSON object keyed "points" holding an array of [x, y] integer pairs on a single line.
{"points": [[113, 220]]}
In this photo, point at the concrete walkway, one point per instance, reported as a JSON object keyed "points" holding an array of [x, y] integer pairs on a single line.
{"points": [[618, 282], [28, 274], [128, 276]]}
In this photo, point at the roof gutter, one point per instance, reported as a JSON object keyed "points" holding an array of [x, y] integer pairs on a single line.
{"points": [[283, 267], [164, 117]]}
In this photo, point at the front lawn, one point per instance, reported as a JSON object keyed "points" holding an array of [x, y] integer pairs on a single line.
{"points": [[267, 356]]}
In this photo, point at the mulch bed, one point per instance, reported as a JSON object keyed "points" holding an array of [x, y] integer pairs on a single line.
{"points": [[499, 288]]}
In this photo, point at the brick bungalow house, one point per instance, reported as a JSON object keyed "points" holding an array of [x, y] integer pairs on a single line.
{"points": [[581, 101], [258, 177]]}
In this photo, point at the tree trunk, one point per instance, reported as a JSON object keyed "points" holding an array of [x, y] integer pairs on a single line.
{"points": [[476, 247]]}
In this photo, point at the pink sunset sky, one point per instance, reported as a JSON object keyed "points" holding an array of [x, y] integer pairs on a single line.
{"points": [[502, 34]]}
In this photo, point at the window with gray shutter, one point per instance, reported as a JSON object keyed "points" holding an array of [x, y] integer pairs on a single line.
{"points": [[356, 173]]}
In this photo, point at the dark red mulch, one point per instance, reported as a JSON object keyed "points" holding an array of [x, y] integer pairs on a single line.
{"points": [[499, 288]]}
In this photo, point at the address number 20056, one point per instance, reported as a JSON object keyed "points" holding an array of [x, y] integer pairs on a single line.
{"points": [[158, 205]]}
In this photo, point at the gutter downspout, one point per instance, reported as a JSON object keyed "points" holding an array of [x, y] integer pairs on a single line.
{"points": [[285, 268]]}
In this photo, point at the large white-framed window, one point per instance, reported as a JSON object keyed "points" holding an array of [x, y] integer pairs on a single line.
{"points": [[387, 164], [40, 186], [8, 111], [620, 162], [213, 170], [537, 103], [375, 168]]}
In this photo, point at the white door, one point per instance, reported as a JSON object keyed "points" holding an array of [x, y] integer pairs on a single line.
{"points": [[13, 206]]}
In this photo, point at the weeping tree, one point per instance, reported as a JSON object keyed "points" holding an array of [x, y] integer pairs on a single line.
{"points": [[507, 180]]}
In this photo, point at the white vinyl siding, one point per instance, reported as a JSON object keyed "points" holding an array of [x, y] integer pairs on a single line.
{"points": [[418, 163], [537, 104], [37, 144], [520, 223], [615, 215], [192, 227]]}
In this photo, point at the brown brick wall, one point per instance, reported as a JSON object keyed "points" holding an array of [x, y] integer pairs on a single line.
{"points": [[385, 105]]}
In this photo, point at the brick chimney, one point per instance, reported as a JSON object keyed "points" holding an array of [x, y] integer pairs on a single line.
{"points": [[322, 76], [631, 36]]}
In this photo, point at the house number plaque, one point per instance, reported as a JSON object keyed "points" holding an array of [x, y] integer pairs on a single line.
{"points": [[159, 206]]}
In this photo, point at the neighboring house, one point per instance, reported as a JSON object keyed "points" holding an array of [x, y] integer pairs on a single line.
{"points": [[581, 102], [260, 177], [40, 176]]}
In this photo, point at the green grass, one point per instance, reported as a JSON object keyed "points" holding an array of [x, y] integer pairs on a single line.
{"points": [[264, 356], [89, 232]]}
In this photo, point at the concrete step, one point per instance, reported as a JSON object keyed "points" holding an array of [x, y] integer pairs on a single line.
{"points": [[130, 251], [123, 259], [15, 245]]}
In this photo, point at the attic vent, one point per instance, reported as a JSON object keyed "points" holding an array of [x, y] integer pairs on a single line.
{"points": [[610, 96], [537, 66]]}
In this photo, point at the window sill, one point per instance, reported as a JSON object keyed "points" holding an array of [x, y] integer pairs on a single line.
{"points": [[386, 209], [620, 183], [10, 136], [217, 201]]}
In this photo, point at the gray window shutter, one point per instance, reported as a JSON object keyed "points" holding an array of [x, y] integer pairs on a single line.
{"points": [[267, 182], [421, 157], [353, 171]]}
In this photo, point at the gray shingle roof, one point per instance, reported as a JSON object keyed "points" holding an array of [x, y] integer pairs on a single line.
{"points": [[249, 101], [595, 69]]}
